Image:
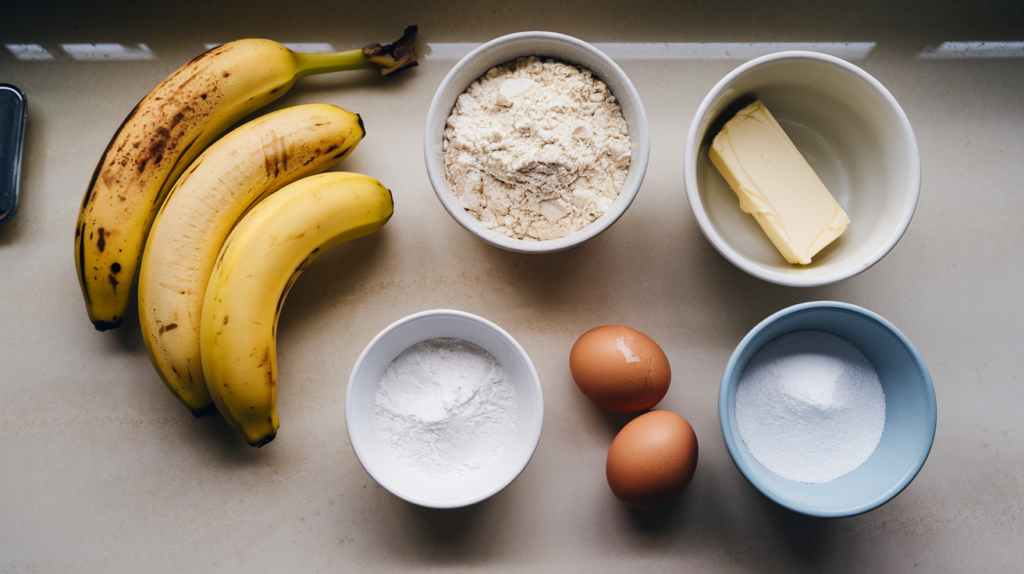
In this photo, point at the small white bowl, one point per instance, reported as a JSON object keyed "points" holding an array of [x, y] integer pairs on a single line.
{"points": [[852, 132], [374, 455], [542, 44]]}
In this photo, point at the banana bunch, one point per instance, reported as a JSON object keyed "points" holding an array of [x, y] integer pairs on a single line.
{"points": [[261, 259], [166, 131], [204, 205]]}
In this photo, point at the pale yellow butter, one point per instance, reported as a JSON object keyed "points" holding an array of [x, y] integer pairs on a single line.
{"points": [[776, 185]]}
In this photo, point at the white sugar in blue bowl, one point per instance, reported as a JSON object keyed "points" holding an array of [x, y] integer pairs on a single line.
{"points": [[910, 411]]}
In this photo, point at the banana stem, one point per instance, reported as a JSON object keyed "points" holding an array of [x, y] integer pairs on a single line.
{"points": [[390, 59], [309, 64]]}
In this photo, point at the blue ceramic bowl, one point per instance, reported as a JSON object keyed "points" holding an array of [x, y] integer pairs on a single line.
{"points": [[910, 411]]}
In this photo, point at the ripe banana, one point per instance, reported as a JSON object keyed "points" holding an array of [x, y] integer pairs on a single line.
{"points": [[166, 131], [261, 259], [237, 171]]}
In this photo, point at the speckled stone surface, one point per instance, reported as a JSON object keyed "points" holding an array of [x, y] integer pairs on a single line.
{"points": [[102, 470]]}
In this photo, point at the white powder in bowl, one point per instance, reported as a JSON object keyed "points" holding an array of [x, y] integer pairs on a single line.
{"points": [[536, 149], [810, 407], [445, 408]]}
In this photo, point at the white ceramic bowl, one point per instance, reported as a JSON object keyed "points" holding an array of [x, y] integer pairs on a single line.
{"points": [[506, 49], [373, 454], [854, 135]]}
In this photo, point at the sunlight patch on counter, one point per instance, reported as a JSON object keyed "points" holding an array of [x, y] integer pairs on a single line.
{"points": [[683, 50], [954, 50], [615, 50], [29, 52], [101, 52]]}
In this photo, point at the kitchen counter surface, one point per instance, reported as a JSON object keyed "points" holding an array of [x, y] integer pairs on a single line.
{"points": [[102, 470]]}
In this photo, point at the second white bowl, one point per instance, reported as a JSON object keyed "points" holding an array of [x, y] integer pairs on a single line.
{"points": [[854, 135]]}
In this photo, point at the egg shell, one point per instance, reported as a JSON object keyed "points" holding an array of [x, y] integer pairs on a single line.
{"points": [[652, 460], [620, 368]]}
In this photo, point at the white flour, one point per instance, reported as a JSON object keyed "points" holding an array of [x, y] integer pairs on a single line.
{"points": [[445, 408], [810, 407], [536, 149]]}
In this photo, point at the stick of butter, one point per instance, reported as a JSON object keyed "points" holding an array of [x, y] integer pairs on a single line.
{"points": [[776, 185]]}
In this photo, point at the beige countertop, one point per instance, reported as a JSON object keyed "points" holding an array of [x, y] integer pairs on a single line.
{"points": [[102, 470]]}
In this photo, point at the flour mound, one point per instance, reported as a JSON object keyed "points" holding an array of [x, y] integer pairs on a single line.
{"points": [[445, 408], [536, 149]]}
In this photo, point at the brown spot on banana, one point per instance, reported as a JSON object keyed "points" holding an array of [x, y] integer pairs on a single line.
{"points": [[269, 163], [169, 327], [103, 158]]}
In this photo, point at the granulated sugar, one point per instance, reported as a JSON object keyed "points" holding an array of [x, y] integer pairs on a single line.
{"points": [[810, 407], [445, 408]]}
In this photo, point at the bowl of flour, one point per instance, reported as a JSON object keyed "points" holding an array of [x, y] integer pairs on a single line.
{"points": [[536, 142], [444, 409], [827, 409]]}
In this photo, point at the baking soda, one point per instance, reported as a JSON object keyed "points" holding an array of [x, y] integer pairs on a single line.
{"points": [[810, 407], [445, 408]]}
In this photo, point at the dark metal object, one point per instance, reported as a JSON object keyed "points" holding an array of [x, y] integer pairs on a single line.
{"points": [[13, 110]]}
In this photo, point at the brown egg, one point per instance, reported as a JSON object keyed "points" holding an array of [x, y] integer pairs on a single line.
{"points": [[620, 369], [652, 459]]}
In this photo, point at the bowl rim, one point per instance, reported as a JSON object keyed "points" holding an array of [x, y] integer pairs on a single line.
{"points": [[733, 441], [716, 239], [639, 154], [361, 450]]}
